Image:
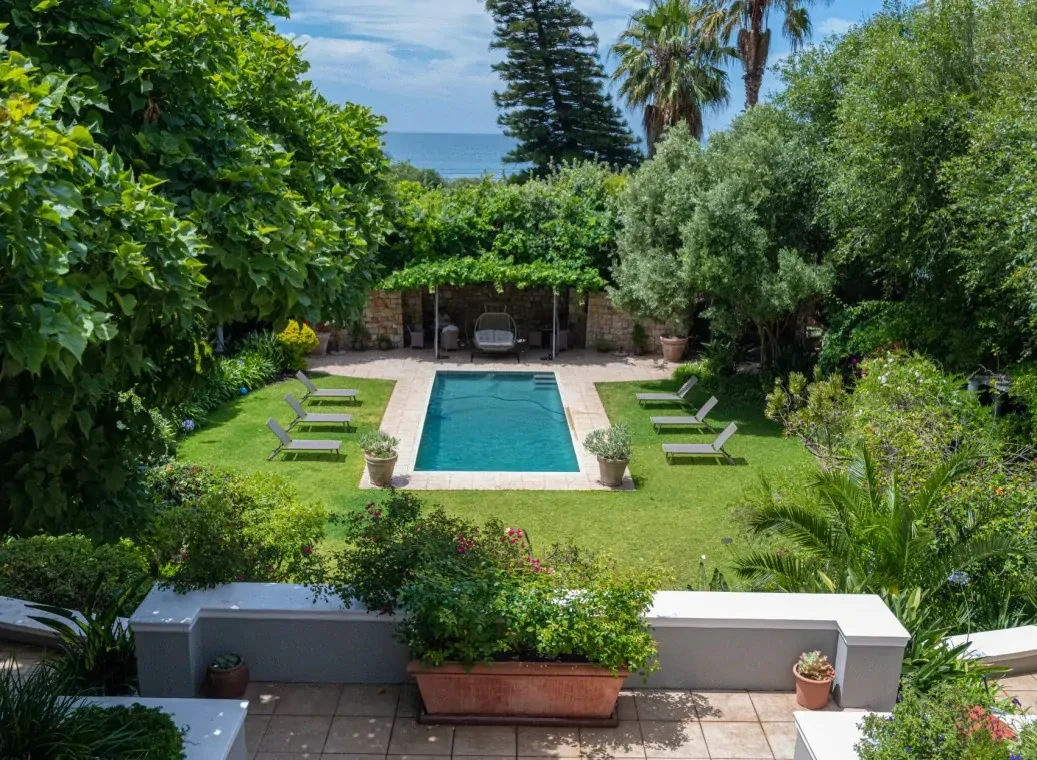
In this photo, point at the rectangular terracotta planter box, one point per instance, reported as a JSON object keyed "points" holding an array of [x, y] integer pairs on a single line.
{"points": [[555, 690]]}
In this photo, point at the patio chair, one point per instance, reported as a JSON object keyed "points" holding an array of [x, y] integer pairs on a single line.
{"points": [[699, 418], [302, 417], [679, 397], [315, 392], [290, 444], [709, 449]]}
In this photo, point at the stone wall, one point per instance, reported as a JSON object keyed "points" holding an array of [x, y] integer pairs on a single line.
{"points": [[383, 315], [605, 322], [463, 304]]}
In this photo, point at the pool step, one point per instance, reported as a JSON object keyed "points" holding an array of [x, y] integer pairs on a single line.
{"points": [[544, 380]]}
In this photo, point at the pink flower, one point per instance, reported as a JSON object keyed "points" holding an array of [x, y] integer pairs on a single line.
{"points": [[307, 550]]}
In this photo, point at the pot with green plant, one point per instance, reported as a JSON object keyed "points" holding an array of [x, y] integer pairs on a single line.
{"points": [[380, 454], [384, 342], [227, 676], [814, 676], [361, 336], [639, 338], [612, 447], [323, 332]]}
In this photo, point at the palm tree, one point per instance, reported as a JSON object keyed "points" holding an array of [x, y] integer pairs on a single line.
{"points": [[753, 40], [668, 67], [866, 537]]}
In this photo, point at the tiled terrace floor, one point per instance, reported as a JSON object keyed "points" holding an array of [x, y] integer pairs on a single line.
{"points": [[334, 722], [1023, 688], [414, 370]]}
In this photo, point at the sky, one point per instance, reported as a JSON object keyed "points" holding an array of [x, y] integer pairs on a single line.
{"points": [[425, 64]]}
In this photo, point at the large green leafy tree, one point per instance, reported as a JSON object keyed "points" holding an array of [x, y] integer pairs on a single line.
{"points": [[205, 95], [101, 290], [202, 182], [729, 226], [920, 121], [670, 68], [554, 102]]}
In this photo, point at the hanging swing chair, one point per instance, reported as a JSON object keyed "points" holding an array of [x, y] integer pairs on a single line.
{"points": [[495, 333]]}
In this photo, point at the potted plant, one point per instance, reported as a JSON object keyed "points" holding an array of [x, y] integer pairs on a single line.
{"points": [[814, 675], [384, 342], [674, 346], [361, 336], [323, 332], [380, 453], [639, 338], [612, 448], [227, 677], [604, 346]]}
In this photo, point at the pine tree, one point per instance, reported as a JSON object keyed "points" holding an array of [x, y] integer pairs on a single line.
{"points": [[554, 102]]}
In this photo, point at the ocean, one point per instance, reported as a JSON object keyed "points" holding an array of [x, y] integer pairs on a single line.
{"points": [[453, 155]]}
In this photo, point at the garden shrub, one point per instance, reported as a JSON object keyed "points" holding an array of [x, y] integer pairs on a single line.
{"points": [[63, 570], [818, 412], [720, 382], [216, 526], [40, 718], [953, 723], [298, 339]]}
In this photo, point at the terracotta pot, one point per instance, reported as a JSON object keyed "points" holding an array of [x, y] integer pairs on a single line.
{"points": [[813, 695], [322, 345], [380, 470], [228, 684], [519, 689], [673, 348], [611, 471]]}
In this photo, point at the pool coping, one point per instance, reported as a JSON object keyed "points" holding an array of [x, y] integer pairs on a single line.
{"points": [[410, 427]]}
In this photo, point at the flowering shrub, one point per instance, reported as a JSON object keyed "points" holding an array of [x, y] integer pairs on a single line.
{"points": [[952, 723], [477, 594], [62, 571], [298, 339], [814, 666], [216, 527]]}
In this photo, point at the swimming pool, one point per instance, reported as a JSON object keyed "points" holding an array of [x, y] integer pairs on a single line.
{"points": [[496, 422]]}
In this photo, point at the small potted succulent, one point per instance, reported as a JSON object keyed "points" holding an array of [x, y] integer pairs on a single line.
{"points": [[227, 677], [814, 675], [380, 454], [612, 448]]}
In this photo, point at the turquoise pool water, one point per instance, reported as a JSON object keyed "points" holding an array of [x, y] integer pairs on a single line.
{"points": [[496, 422]]}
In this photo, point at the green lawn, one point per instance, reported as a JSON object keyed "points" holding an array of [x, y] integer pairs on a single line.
{"points": [[678, 512]]}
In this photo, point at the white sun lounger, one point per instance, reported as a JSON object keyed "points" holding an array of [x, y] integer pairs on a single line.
{"points": [[709, 449], [302, 417], [678, 397], [699, 418], [291, 444], [315, 392]]}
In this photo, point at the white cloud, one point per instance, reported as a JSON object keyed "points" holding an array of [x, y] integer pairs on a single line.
{"points": [[834, 25]]}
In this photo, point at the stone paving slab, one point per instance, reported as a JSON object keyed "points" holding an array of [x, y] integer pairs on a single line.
{"points": [[414, 371], [336, 722]]}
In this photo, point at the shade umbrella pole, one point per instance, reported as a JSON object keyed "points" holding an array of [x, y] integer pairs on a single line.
{"points": [[435, 339], [554, 327]]}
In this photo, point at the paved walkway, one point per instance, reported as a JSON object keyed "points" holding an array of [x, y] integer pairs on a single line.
{"points": [[414, 370], [335, 722]]}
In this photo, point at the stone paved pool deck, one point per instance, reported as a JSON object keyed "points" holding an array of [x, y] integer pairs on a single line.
{"points": [[414, 370], [340, 722]]}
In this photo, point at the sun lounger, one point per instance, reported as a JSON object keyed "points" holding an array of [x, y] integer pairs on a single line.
{"points": [[699, 418], [678, 397], [315, 392], [302, 417], [290, 444], [709, 449]]}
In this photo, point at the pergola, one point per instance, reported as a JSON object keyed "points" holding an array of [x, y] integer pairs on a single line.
{"points": [[499, 272]]}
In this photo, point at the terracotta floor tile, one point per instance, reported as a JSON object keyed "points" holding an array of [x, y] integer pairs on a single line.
{"points": [[548, 742], [295, 733], [485, 741], [737, 741], [368, 700], [774, 707], [724, 706], [411, 738], [782, 738], [656, 704], [673, 739], [359, 735], [308, 699], [1025, 682], [623, 741]]}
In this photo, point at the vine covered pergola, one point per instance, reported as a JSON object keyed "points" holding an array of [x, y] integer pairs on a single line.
{"points": [[498, 272]]}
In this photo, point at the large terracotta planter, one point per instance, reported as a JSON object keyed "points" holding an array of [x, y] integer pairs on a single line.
{"points": [[674, 348], [611, 471], [519, 689], [813, 695], [228, 684], [323, 338], [380, 470]]}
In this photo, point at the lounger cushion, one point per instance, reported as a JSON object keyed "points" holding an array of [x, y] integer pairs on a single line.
{"points": [[494, 338]]}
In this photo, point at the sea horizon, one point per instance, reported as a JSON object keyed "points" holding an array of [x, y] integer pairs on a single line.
{"points": [[454, 155]]}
